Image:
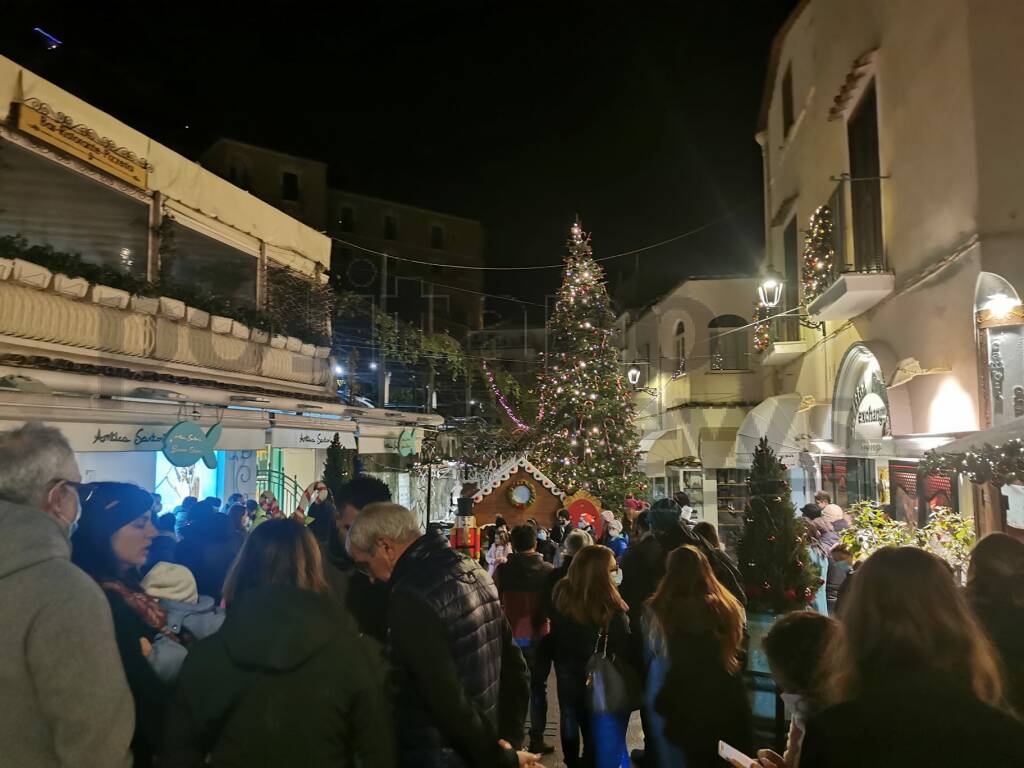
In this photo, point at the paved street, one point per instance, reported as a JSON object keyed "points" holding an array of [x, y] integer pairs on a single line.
{"points": [[634, 737]]}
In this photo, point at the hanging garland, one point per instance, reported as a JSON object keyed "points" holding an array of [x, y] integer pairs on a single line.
{"points": [[762, 327], [502, 401], [999, 465], [819, 254]]}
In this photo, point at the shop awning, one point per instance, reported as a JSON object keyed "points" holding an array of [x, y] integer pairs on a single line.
{"points": [[992, 436], [777, 418], [658, 447], [718, 447]]}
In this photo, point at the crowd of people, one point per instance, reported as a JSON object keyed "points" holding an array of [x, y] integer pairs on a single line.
{"points": [[193, 638]]}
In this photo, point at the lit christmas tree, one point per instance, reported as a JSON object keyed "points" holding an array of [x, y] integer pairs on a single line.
{"points": [[584, 438], [762, 327], [778, 574], [819, 254]]}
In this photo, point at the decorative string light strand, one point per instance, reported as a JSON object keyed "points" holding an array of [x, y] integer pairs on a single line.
{"points": [[502, 401]]}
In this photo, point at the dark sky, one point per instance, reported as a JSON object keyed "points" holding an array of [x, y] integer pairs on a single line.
{"points": [[638, 116]]}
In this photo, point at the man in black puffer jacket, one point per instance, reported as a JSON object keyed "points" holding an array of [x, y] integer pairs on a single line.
{"points": [[462, 685]]}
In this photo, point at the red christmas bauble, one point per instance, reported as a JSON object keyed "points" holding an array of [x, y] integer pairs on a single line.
{"points": [[791, 594], [771, 538], [799, 563]]}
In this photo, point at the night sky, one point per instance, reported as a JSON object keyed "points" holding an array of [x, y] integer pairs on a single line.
{"points": [[640, 117]]}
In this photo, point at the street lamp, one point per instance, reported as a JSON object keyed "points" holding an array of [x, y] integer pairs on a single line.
{"points": [[633, 375], [770, 289]]}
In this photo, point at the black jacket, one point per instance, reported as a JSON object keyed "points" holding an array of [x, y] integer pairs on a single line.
{"points": [[909, 719], [365, 600], [643, 566], [573, 643], [286, 681], [461, 683], [148, 690], [548, 550], [1004, 623], [559, 532], [703, 703], [208, 547]]}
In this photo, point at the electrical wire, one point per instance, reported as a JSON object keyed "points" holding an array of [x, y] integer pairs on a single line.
{"points": [[560, 265]]}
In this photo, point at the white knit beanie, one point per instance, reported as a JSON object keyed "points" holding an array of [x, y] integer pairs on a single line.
{"points": [[167, 581]]}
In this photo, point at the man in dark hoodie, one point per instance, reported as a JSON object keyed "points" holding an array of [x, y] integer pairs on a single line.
{"points": [[366, 601], [63, 693], [461, 683]]}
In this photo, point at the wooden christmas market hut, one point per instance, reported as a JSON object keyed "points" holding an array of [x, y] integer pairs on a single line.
{"points": [[517, 490]]}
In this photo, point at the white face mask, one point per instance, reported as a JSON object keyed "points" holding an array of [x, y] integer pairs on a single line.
{"points": [[617, 577]]}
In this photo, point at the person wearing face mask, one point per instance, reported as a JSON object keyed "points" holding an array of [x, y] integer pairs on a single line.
{"points": [[461, 683], [545, 546], [111, 545], [64, 695]]}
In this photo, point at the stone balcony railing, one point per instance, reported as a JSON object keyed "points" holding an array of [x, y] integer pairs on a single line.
{"points": [[163, 334]]}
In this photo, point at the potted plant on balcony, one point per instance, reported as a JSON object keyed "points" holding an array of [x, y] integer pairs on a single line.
{"points": [[108, 296], [31, 274], [72, 287]]}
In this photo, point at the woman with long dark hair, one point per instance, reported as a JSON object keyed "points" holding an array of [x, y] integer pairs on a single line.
{"points": [[587, 608], [111, 544], [286, 680], [914, 680], [995, 590], [693, 638]]}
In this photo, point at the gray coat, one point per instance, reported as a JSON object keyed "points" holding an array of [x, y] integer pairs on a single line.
{"points": [[62, 687]]}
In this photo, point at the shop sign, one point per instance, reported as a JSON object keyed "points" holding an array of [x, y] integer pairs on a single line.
{"points": [[310, 438], [1005, 373], [127, 438], [861, 403], [82, 143], [186, 443]]}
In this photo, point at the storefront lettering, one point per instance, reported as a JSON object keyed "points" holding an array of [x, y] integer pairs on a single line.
{"points": [[144, 438], [80, 142], [316, 438], [995, 366], [110, 437]]}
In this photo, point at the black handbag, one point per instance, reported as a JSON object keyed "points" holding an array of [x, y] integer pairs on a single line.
{"points": [[613, 686]]}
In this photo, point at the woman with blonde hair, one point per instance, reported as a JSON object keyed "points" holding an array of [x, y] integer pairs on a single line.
{"points": [[693, 640], [286, 680], [914, 679], [587, 610]]}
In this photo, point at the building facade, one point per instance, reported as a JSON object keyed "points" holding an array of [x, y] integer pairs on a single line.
{"points": [[893, 126], [689, 358], [147, 306]]}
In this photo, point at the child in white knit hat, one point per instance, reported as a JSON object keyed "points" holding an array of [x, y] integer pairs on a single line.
{"points": [[190, 616]]}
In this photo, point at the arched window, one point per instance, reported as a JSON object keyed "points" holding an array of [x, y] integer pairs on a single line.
{"points": [[728, 345], [680, 344]]}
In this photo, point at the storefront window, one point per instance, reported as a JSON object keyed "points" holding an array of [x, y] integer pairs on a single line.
{"points": [[733, 495], [912, 499], [848, 481], [209, 265], [48, 203]]}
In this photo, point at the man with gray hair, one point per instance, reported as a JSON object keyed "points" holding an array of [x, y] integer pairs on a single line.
{"points": [[62, 686], [462, 686]]}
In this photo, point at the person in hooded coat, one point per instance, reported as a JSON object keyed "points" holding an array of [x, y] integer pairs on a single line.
{"points": [[208, 546], [286, 680]]}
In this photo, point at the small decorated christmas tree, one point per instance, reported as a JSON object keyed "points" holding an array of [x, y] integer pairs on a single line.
{"points": [[778, 574], [337, 467], [819, 254]]}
